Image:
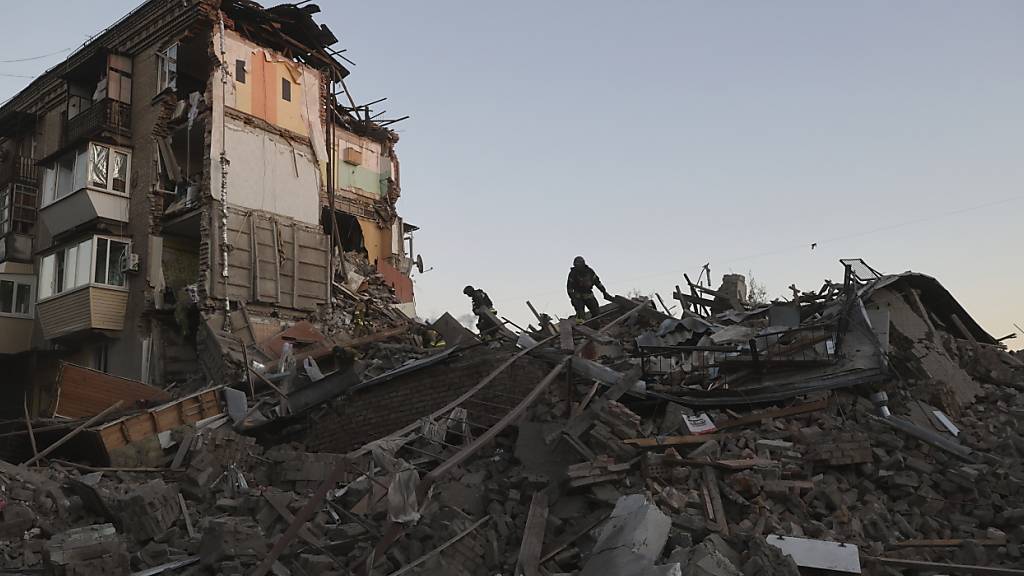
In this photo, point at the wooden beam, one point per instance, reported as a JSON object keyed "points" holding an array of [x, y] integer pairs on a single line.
{"points": [[440, 548], [672, 440], [804, 408], [28, 423], [573, 534], [74, 432], [944, 567], [711, 485], [948, 543], [528, 563]]}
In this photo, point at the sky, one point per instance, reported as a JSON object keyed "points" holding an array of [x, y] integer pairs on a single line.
{"points": [[653, 137]]}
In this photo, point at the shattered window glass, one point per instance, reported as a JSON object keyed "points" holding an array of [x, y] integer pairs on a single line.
{"points": [[118, 260], [119, 172], [98, 159]]}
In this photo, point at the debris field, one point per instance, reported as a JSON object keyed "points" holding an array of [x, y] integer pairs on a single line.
{"points": [[867, 427]]}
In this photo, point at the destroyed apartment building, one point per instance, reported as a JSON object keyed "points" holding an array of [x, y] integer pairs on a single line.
{"points": [[184, 184], [214, 365], [867, 427]]}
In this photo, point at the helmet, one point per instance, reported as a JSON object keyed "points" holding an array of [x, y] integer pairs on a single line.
{"points": [[467, 290], [579, 261]]}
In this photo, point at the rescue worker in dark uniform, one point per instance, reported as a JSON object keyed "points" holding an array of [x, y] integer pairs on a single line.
{"points": [[580, 287], [481, 302]]}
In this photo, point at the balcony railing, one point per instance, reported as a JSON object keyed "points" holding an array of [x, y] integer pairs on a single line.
{"points": [[104, 116], [19, 169]]}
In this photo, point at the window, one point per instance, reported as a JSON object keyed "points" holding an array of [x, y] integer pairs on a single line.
{"points": [[16, 295], [286, 90], [167, 68], [240, 71], [98, 166], [5, 211], [111, 261], [98, 260]]}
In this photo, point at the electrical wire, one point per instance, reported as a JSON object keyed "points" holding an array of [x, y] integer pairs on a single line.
{"points": [[61, 51]]}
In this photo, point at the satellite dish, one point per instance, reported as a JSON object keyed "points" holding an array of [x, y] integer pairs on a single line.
{"points": [[419, 263]]}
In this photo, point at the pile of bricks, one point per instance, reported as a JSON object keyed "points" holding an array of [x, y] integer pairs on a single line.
{"points": [[88, 551], [840, 448], [150, 510]]}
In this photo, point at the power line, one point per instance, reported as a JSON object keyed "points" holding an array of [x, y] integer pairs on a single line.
{"points": [[16, 76], [35, 57]]}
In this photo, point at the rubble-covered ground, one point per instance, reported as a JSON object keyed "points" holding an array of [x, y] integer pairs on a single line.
{"points": [[869, 427]]}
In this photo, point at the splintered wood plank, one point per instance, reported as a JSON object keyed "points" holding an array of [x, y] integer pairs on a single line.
{"points": [[533, 536]]}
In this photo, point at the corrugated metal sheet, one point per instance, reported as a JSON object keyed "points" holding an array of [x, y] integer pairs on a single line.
{"points": [[83, 392]]}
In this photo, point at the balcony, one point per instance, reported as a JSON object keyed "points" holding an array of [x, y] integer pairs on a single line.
{"points": [[84, 206], [106, 117], [83, 310], [19, 170], [86, 184]]}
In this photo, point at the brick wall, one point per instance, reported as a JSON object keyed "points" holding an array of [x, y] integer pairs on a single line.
{"points": [[379, 410]]}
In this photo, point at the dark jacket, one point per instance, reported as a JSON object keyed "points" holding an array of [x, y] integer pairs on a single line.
{"points": [[481, 300], [581, 281]]}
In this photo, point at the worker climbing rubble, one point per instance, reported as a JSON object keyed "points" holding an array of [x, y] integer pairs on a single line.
{"points": [[484, 310], [580, 286]]}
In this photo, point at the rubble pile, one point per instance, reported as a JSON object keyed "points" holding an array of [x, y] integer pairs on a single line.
{"points": [[868, 427]]}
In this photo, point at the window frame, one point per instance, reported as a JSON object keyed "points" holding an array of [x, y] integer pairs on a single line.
{"points": [[165, 65], [20, 280], [51, 179], [50, 270], [241, 73], [286, 90]]}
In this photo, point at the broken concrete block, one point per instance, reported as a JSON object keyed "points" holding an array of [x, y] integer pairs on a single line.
{"points": [[88, 551], [150, 510], [631, 539]]}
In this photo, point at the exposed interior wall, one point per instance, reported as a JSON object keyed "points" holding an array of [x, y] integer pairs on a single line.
{"points": [[377, 241], [364, 172], [260, 94], [271, 173]]}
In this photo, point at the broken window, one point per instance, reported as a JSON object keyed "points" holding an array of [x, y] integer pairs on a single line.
{"points": [[119, 172], [167, 68], [286, 90], [111, 261], [240, 71], [99, 159], [96, 165]]}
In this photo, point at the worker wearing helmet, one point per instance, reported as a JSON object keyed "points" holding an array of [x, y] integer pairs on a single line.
{"points": [[481, 303], [580, 286]]}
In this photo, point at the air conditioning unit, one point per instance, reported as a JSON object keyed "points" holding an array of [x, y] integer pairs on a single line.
{"points": [[130, 263]]}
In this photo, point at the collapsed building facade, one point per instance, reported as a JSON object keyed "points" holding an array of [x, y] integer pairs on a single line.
{"points": [[188, 166]]}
